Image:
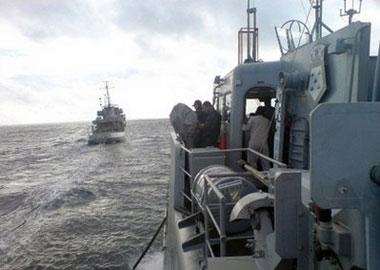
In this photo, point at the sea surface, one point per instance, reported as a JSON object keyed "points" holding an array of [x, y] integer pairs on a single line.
{"points": [[67, 205]]}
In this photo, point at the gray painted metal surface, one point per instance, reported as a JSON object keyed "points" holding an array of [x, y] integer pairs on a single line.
{"points": [[324, 211], [341, 164]]}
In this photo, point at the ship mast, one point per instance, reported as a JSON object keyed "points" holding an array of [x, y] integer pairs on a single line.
{"points": [[248, 32], [319, 24], [107, 98], [251, 36]]}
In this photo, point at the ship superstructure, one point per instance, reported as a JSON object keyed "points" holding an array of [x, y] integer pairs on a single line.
{"points": [[317, 206], [109, 125]]}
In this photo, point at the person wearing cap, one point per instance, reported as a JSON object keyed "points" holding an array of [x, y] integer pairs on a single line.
{"points": [[211, 130]]}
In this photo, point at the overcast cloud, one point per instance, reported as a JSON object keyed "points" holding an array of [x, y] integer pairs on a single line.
{"points": [[54, 54]]}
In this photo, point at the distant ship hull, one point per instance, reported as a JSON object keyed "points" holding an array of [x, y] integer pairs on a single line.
{"points": [[106, 137]]}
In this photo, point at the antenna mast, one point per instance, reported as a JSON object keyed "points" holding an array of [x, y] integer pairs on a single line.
{"points": [[319, 24], [108, 95], [352, 11], [248, 32], [318, 18], [251, 35], [107, 98], [254, 31]]}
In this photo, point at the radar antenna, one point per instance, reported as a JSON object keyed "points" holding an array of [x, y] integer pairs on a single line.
{"points": [[295, 33], [352, 11]]}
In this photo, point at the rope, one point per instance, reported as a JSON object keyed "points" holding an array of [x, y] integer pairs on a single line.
{"points": [[150, 243], [306, 22]]}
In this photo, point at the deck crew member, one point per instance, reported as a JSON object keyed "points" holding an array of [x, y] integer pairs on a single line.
{"points": [[269, 113], [198, 110], [268, 109], [211, 129], [198, 134], [258, 126]]}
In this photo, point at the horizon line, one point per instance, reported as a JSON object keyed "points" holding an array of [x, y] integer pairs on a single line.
{"points": [[72, 122]]}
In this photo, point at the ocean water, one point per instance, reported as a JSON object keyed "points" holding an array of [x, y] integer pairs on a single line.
{"points": [[67, 205]]}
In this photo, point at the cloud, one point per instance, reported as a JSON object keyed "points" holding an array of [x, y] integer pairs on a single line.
{"points": [[164, 17], [37, 82], [55, 54], [209, 21], [43, 19]]}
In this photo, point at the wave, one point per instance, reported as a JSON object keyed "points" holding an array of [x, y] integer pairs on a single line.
{"points": [[81, 140], [71, 198]]}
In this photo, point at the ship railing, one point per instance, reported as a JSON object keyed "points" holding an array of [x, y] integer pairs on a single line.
{"points": [[222, 204], [232, 150], [261, 176], [207, 209], [209, 217]]}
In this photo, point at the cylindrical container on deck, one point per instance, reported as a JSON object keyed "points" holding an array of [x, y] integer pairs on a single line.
{"points": [[233, 187]]}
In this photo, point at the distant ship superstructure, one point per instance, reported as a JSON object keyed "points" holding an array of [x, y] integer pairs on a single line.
{"points": [[109, 125]]}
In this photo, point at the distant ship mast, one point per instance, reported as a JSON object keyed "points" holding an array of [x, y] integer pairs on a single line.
{"points": [[107, 98]]}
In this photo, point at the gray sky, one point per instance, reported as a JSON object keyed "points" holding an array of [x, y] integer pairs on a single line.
{"points": [[54, 54]]}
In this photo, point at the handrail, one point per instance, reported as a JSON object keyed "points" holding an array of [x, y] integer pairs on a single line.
{"points": [[208, 209], [208, 215], [205, 215], [259, 175], [185, 172], [279, 163], [210, 248], [213, 205], [274, 161], [229, 174], [214, 188], [213, 219], [230, 238], [222, 235], [197, 200], [187, 197], [221, 228], [185, 149]]}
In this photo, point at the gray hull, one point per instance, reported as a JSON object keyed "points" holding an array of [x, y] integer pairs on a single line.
{"points": [[106, 137]]}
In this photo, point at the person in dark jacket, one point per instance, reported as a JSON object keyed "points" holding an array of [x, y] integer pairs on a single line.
{"points": [[199, 111], [198, 134], [269, 113], [211, 128]]}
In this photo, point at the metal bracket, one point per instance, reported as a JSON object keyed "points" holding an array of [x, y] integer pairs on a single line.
{"points": [[317, 82], [250, 203]]}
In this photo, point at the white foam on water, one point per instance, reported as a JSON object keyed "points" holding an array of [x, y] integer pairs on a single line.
{"points": [[91, 200], [153, 262]]}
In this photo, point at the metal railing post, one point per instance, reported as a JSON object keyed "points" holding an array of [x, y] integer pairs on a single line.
{"points": [[205, 215], [222, 228]]}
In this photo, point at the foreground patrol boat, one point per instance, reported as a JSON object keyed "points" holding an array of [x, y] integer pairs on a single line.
{"points": [[109, 125], [318, 205]]}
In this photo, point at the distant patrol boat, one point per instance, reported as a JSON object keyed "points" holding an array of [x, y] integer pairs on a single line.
{"points": [[109, 125]]}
